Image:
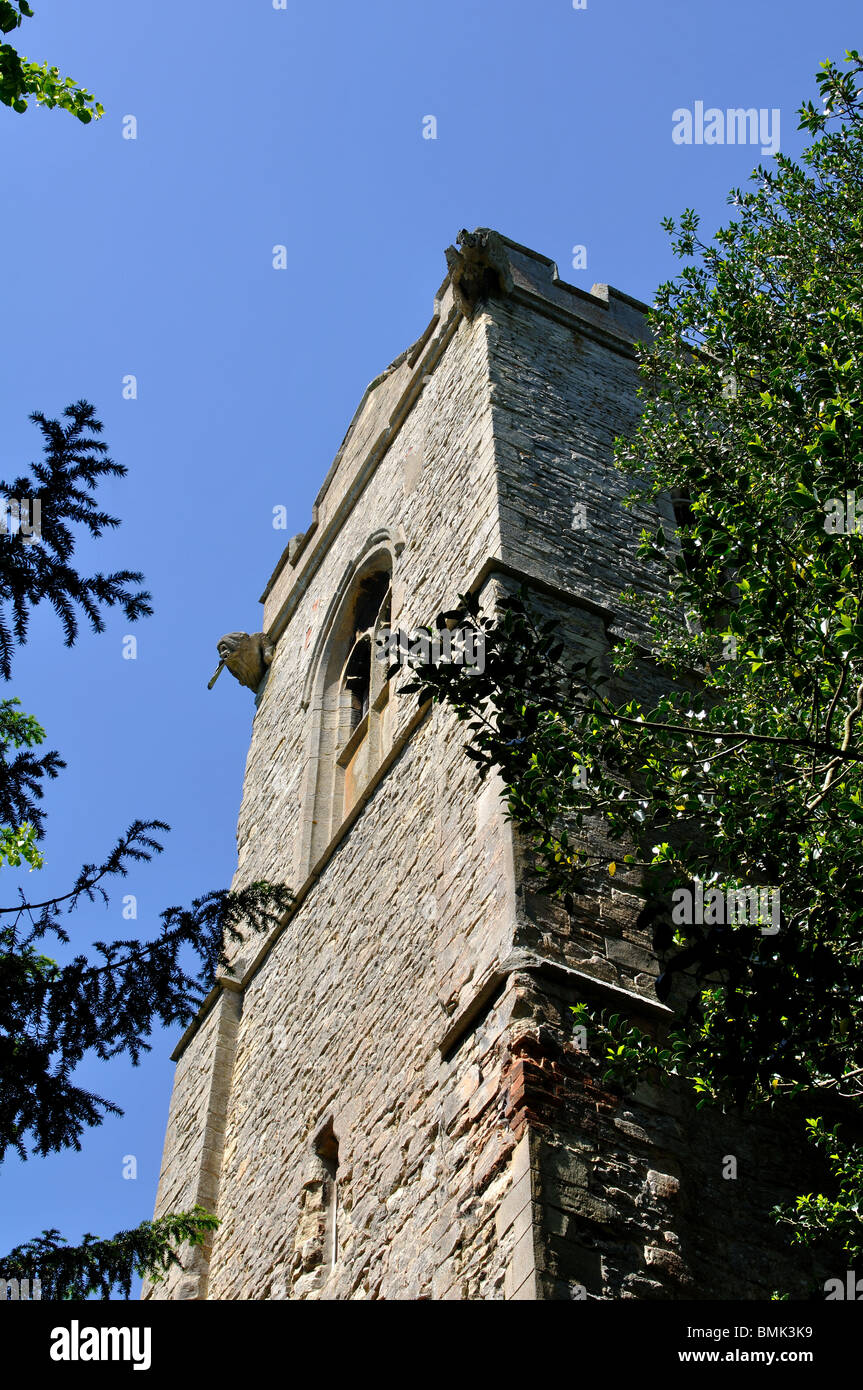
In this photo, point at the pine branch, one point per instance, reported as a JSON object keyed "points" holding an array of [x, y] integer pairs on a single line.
{"points": [[51, 1016], [35, 569], [102, 1266]]}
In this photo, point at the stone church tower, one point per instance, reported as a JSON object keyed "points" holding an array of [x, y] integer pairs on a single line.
{"points": [[387, 1099]]}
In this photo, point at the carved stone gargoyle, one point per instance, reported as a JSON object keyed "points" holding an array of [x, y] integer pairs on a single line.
{"points": [[478, 268], [246, 655]]}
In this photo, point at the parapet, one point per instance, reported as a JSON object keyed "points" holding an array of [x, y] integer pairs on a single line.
{"points": [[482, 265]]}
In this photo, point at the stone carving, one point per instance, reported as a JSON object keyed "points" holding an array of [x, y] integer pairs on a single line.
{"points": [[246, 655], [479, 268]]}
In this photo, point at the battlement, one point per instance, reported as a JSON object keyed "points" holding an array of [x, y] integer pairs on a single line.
{"points": [[483, 265]]}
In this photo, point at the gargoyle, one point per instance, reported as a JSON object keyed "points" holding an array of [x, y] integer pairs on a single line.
{"points": [[246, 655], [478, 268]]}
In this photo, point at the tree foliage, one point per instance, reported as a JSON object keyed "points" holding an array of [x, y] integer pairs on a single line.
{"points": [[51, 1016], [748, 772], [21, 789], [102, 1002], [102, 1266], [21, 79], [64, 482]]}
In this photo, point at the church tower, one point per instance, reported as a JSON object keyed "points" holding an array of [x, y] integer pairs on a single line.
{"points": [[387, 1099]]}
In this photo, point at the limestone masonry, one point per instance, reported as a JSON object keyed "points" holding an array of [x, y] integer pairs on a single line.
{"points": [[387, 1099]]}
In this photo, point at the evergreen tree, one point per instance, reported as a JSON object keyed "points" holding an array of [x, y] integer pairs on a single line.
{"points": [[103, 1002]]}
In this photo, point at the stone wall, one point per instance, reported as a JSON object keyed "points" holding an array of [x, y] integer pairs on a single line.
{"points": [[393, 1075], [632, 1195], [344, 1013]]}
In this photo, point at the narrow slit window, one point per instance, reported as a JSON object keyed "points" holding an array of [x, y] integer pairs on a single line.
{"points": [[327, 1149]]}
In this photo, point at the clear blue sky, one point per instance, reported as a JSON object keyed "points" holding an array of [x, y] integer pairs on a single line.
{"points": [[300, 127]]}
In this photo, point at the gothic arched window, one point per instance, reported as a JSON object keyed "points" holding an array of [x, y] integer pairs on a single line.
{"points": [[351, 731], [363, 680]]}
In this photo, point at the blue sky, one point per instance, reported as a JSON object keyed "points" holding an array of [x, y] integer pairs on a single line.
{"points": [[300, 127]]}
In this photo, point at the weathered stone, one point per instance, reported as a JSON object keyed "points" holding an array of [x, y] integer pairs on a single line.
{"points": [[247, 657], [662, 1184], [386, 1100]]}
